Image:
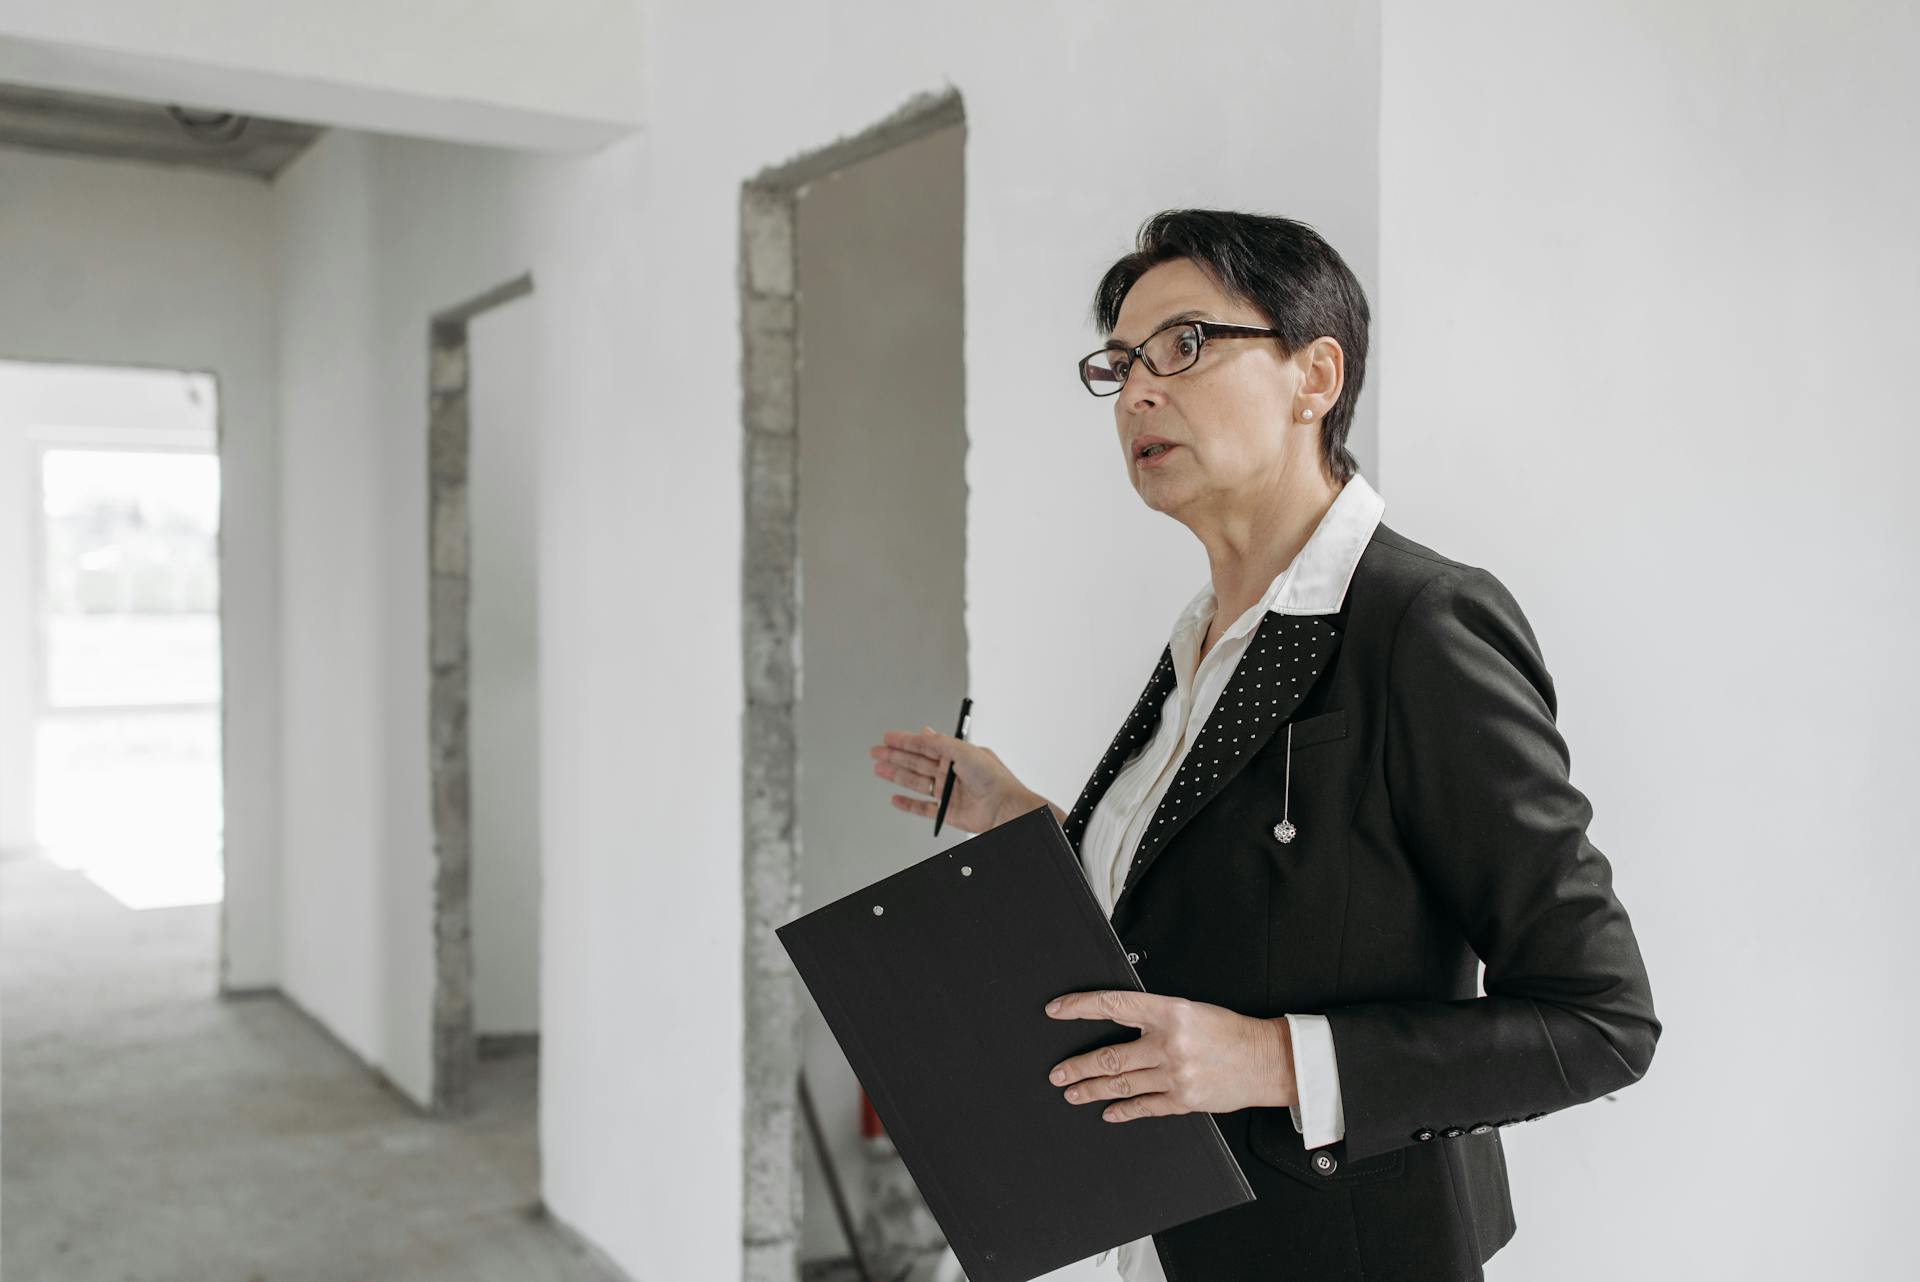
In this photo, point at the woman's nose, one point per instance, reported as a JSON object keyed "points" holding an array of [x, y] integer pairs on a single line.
{"points": [[1142, 388]]}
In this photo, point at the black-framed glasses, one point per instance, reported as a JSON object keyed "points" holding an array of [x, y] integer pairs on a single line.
{"points": [[1170, 349]]}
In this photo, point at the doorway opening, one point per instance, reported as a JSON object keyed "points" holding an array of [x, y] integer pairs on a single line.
{"points": [[110, 679], [483, 705], [853, 579]]}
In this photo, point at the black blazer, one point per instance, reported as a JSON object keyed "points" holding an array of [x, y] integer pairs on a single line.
{"points": [[1436, 828]]}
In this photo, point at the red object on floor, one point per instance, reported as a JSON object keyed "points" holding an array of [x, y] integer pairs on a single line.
{"points": [[870, 1127]]}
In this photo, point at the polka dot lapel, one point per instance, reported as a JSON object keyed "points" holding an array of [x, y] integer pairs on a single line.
{"points": [[1136, 730], [1280, 664]]}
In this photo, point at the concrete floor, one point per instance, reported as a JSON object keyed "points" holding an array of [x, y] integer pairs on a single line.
{"points": [[151, 1131]]}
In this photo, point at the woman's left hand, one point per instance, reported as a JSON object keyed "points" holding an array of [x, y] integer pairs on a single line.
{"points": [[1190, 1057]]}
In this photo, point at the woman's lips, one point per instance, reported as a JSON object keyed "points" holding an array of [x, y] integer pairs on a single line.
{"points": [[1155, 460]]}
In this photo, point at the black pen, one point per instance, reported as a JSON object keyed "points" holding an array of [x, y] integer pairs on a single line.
{"points": [[946, 792]]}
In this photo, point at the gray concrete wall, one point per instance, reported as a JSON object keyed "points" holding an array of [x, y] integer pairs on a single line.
{"points": [[882, 499], [505, 413]]}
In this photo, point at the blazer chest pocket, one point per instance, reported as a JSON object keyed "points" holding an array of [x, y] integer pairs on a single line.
{"points": [[1271, 1135], [1306, 732]]}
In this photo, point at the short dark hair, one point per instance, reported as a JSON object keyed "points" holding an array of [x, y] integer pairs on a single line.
{"points": [[1279, 266]]}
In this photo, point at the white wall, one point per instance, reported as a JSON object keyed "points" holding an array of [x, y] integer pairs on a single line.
{"points": [[1643, 286], [557, 74], [378, 234], [113, 263], [1044, 215], [635, 255], [332, 544], [1648, 275], [504, 421], [640, 982]]}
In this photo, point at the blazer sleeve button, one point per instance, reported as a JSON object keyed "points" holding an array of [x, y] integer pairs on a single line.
{"points": [[1325, 1162], [1454, 1132], [1424, 1133], [1481, 1128]]}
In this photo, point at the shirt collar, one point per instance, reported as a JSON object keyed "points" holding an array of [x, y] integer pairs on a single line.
{"points": [[1316, 580]]}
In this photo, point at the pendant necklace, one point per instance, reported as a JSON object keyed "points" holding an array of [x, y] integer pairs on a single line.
{"points": [[1284, 830]]}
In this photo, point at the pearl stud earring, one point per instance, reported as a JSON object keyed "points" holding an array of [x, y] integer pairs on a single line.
{"points": [[1306, 413]]}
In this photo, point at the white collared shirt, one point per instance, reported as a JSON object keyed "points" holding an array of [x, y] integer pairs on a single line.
{"points": [[1314, 583]]}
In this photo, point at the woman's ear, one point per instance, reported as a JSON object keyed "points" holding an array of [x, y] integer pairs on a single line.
{"points": [[1322, 374]]}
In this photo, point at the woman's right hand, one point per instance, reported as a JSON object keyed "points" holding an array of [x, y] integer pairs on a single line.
{"points": [[985, 792]]}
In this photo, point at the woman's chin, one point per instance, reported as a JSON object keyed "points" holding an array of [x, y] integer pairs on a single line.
{"points": [[1161, 498]]}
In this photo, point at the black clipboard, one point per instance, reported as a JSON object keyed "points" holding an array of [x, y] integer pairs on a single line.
{"points": [[938, 1001]]}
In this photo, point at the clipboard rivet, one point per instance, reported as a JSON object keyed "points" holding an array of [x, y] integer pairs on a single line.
{"points": [[877, 910], [966, 870]]}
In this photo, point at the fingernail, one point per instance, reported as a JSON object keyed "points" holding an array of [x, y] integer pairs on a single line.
{"points": [[1059, 1075], [1053, 1006]]}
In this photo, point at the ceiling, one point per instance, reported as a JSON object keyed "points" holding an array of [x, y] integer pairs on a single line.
{"points": [[121, 128]]}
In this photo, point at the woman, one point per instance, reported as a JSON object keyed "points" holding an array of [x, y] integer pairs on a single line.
{"points": [[1342, 791]]}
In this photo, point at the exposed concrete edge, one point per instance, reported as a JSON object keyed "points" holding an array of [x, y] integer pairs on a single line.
{"points": [[919, 116], [766, 276], [455, 1050], [461, 313]]}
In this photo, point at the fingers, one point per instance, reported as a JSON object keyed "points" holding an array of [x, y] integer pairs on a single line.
{"points": [[1142, 1081], [928, 743], [911, 754], [1122, 1006], [904, 775], [1156, 1105], [1121, 1058], [1136, 1092], [931, 809]]}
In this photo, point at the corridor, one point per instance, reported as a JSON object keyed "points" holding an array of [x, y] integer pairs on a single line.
{"points": [[155, 1132]]}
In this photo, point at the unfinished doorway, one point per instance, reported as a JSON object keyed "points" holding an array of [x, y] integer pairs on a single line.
{"points": [[462, 502], [855, 508], [112, 702]]}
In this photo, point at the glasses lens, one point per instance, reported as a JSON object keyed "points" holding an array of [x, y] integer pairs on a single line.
{"points": [[1104, 372], [1173, 349]]}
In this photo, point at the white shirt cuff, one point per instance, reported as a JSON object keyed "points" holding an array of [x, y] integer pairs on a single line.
{"points": [[1318, 1116]]}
